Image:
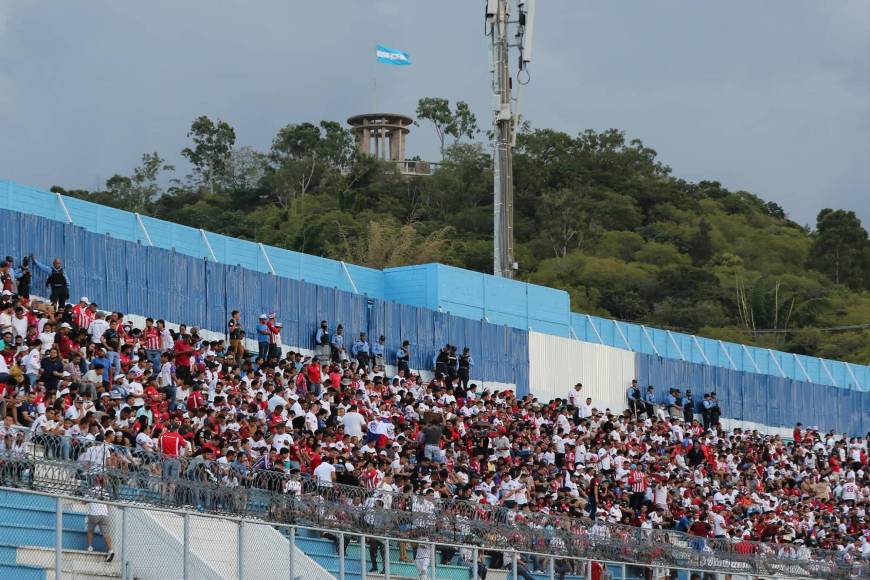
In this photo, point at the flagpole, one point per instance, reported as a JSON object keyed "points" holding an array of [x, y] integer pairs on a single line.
{"points": [[375, 82]]}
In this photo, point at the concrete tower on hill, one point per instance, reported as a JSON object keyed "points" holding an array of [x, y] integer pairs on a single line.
{"points": [[382, 135]]}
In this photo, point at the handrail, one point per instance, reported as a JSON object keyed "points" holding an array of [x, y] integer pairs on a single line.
{"points": [[47, 464]]}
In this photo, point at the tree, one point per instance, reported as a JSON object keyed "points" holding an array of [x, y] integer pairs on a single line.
{"points": [[302, 154], [465, 122], [136, 193], [840, 248], [700, 246], [457, 124], [245, 169], [564, 218], [213, 145]]}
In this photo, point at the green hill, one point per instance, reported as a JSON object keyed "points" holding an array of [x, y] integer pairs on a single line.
{"points": [[595, 214]]}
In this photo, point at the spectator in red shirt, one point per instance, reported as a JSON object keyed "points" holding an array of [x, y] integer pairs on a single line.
{"points": [[183, 353]]}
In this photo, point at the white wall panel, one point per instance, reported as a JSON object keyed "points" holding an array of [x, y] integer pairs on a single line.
{"points": [[556, 363]]}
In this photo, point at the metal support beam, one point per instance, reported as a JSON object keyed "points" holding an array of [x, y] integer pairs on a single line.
{"points": [[592, 324], [125, 518], [751, 359], [292, 555], [650, 340], [776, 362], [828, 372], [727, 354], [386, 559], [622, 335], [58, 535], [208, 245], [268, 261], [852, 374], [144, 229], [573, 334], [800, 365], [674, 341], [349, 277], [185, 555], [362, 557], [241, 546], [66, 213], [341, 556], [700, 349]]}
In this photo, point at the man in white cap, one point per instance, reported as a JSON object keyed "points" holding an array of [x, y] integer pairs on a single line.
{"points": [[264, 336], [82, 315]]}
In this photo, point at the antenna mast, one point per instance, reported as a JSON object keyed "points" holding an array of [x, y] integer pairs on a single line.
{"points": [[504, 122]]}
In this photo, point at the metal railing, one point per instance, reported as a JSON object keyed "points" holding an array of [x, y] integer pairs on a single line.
{"points": [[61, 465]]}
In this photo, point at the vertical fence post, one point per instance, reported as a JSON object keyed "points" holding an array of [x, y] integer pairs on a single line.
{"points": [[386, 559], [432, 554], [341, 556], [362, 557], [514, 565], [552, 567], [58, 537], [186, 548], [624, 571], [241, 540], [475, 555], [123, 543], [292, 552]]}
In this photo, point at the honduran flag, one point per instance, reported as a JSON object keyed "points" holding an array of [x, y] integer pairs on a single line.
{"points": [[391, 56]]}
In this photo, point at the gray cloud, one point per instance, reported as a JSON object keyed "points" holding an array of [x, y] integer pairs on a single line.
{"points": [[772, 97]]}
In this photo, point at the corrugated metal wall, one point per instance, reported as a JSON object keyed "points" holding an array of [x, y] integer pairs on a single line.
{"points": [[151, 281], [557, 363], [763, 399]]}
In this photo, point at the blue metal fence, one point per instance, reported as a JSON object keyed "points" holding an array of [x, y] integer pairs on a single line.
{"points": [[130, 277], [727, 355], [759, 398]]}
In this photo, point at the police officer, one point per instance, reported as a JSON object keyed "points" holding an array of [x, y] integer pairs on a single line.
{"points": [[403, 357], [688, 407], [649, 401], [706, 406], [337, 345], [57, 281], [452, 364], [361, 350], [441, 360], [715, 410], [466, 361], [634, 399], [379, 350], [321, 340]]}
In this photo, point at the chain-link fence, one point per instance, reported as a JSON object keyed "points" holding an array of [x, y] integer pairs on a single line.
{"points": [[63, 466], [111, 540]]}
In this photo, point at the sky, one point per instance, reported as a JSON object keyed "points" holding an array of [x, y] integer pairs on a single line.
{"points": [[771, 97]]}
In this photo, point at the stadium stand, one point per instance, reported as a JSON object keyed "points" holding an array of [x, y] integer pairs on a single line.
{"points": [[338, 434]]}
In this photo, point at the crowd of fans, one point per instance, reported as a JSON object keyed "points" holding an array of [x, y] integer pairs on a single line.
{"points": [[338, 416]]}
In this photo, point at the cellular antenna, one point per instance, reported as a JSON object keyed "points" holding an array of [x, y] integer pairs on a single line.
{"points": [[506, 117]]}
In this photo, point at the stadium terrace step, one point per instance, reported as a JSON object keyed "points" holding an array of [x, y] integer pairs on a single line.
{"points": [[77, 564], [43, 536], [22, 572]]}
